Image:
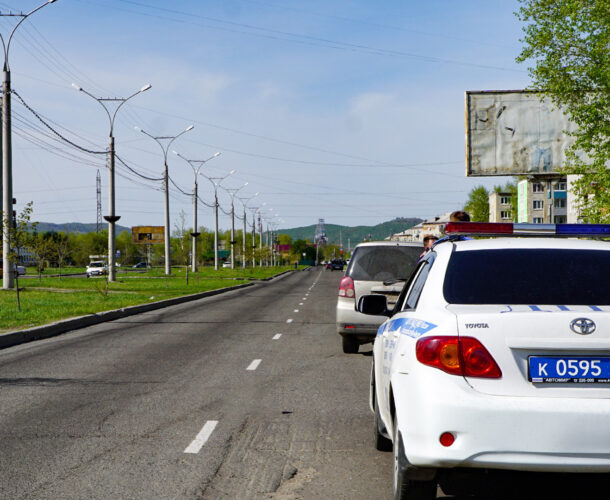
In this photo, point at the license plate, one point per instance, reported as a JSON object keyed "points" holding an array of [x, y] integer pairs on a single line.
{"points": [[569, 369]]}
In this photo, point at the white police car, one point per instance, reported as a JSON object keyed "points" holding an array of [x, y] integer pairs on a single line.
{"points": [[496, 356]]}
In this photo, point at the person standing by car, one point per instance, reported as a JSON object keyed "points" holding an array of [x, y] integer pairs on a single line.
{"points": [[459, 216], [429, 240]]}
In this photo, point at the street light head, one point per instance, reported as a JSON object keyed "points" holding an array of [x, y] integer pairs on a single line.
{"points": [[232, 172], [217, 153], [245, 185], [175, 152], [146, 87], [190, 127], [74, 84], [138, 129], [51, 1]]}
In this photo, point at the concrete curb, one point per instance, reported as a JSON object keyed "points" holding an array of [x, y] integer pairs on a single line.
{"points": [[53, 329]]}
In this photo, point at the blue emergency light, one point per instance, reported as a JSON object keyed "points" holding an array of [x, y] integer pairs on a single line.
{"points": [[519, 229]]}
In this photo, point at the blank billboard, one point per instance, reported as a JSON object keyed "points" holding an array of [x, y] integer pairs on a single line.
{"points": [[514, 132]]}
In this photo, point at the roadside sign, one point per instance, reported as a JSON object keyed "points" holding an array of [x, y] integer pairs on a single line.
{"points": [[515, 132], [148, 235]]}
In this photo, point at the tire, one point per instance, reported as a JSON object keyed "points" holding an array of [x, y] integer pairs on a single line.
{"points": [[382, 443], [350, 345], [405, 489]]}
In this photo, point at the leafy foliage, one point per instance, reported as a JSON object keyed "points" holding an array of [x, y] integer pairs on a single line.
{"points": [[478, 204], [568, 42]]}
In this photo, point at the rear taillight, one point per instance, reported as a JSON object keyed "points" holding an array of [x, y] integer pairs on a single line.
{"points": [[464, 356], [346, 287]]}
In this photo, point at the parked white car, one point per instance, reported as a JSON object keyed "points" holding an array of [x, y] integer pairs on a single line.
{"points": [[496, 356], [96, 268]]}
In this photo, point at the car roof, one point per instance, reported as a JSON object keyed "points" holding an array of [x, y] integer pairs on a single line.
{"points": [[389, 244], [528, 242]]}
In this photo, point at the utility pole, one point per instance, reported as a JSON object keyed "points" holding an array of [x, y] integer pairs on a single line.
{"points": [[244, 202], [98, 192], [111, 218], [196, 166], [8, 273], [216, 183], [164, 143], [232, 193]]}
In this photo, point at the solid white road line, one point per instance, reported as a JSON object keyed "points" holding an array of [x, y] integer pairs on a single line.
{"points": [[254, 365], [277, 336], [202, 437], [289, 320]]}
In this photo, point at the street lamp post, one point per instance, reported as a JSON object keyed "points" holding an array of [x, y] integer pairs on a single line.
{"points": [[8, 274], [232, 193], [244, 202], [196, 166], [216, 183], [164, 143], [111, 218]]}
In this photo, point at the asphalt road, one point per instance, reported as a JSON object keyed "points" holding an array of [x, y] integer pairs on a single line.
{"points": [[111, 411], [245, 395]]}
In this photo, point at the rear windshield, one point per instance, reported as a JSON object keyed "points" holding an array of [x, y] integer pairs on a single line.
{"points": [[383, 263], [528, 276]]}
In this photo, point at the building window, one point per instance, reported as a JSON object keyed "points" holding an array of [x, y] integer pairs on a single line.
{"points": [[537, 220], [504, 200], [560, 219], [560, 203], [561, 186], [506, 215], [537, 204], [537, 187]]}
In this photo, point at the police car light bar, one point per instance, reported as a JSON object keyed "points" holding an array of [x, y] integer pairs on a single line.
{"points": [[508, 229]]}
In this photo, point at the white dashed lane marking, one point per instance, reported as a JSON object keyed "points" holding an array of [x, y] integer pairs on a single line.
{"points": [[277, 336], [202, 437], [289, 320], [300, 303], [296, 310], [254, 365]]}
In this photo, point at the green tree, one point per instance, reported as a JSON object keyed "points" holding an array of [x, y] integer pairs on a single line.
{"points": [[62, 249], [478, 204], [42, 247], [568, 42], [19, 235]]}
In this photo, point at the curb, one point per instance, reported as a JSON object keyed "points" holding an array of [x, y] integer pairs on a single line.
{"points": [[53, 329]]}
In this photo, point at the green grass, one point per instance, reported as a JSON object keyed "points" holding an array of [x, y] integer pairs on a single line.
{"points": [[52, 299]]}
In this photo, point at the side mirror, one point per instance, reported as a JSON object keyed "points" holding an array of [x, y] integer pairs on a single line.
{"points": [[374, 305]]}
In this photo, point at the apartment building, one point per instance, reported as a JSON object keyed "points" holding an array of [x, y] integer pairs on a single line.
{"points": [[543, 201], [500, 207]]}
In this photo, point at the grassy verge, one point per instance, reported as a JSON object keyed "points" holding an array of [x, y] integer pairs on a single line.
{"points": [[53, 299]]}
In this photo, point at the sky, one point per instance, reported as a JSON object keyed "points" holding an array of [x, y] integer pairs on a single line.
{"points": [[351, 111]]}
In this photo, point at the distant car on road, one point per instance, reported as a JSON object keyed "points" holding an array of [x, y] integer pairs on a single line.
{"points": [[226, 264], [336, 265], [96, 268], [140, 265], [375, 267]]}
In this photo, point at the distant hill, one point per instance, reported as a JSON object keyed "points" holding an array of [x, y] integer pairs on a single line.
{"points": [[76, 227], [355, 234]]}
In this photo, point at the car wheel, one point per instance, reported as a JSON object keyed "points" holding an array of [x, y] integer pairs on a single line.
{"points": [[405, 489], [350, 345], [382, 443]]}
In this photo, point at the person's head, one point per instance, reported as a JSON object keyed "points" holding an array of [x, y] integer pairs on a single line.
{"points": [[429, 240], [459, 216]]}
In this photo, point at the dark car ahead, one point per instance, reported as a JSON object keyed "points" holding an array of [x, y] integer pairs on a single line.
{"points": [[336, 265]]}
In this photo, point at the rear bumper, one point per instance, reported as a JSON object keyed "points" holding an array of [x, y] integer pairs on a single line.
{"points": [[353, 323], [516, 433]]}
